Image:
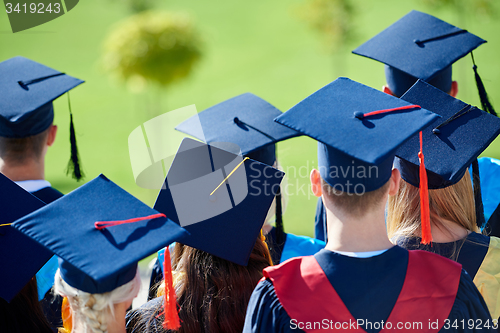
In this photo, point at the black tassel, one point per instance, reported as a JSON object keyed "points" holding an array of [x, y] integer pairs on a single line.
{"points": [[280, 230], [477, 194], [73, 164], [485, 102]]}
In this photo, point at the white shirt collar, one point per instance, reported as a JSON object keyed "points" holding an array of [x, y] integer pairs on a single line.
{"points": [[368, 254], [33, 185]]}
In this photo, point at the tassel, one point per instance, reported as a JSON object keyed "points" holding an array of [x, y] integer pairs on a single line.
{"points": [[483, 96], [66, 316], [425, 215], [171, 321], [478, 200], [280, 230], [74, 163]]}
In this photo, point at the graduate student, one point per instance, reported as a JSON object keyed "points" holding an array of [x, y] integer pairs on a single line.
{"points": [[419, 46], [22, 257], [26, 132], [244, 124], [99, 232], [370, 284], [220, 262], [449, 144]]}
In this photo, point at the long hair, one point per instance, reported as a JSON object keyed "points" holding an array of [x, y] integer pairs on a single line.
{"points": [[93, 311], [454, 203], [24, 313], [213, 293]]}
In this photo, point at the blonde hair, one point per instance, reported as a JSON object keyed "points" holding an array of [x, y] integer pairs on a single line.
{"points": [[94, 310], [454, 203]]}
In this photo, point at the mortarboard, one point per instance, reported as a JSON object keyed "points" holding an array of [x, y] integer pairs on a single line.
{"points": [[94, 260], [450, 143], [26, 108], [357, 130], [245, 120], [421, 46], [227, 221], [243, 124], [21, 256]]}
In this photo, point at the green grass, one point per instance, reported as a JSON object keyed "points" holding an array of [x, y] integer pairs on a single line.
{"points": [[259, 46]]}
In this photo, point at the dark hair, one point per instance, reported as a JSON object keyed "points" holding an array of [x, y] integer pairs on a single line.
{"points": [[213, 293], [24, 313], [17, 150]]}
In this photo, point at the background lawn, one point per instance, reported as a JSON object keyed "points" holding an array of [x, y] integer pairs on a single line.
{"points": [[260, 46]]}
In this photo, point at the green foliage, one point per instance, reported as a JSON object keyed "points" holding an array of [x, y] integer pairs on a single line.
{"points": [[482, 7], [332, 18], [137, 6], [158, 47]]}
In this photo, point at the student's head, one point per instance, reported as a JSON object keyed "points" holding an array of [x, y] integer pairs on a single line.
{"points": [[94, 313], [353, 204], [449, 146], [454, 203], [419, 46], [27, 112], [213, 293], [398, 82], [18, 151]]}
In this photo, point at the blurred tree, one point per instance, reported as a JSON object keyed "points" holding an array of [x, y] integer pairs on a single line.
{"points": [[481, 7], [464, 11], [137, 6], [152, 47], [334, 20]]}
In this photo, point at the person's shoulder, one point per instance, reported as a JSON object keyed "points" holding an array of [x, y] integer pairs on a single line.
{"points": [[469, 305], [296, 246], [48, 194], [265, 313], [143, 318]]}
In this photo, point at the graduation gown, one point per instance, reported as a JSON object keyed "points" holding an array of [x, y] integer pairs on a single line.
{"points": [[397, 286], [51, 304], [479, 256]]}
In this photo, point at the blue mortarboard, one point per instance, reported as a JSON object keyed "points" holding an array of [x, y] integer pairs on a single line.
{"points": [[245, 120], [355, 148], [451, 143], [226, 223], [92, 260], [28, 89], [419, 46], [21, 256]]}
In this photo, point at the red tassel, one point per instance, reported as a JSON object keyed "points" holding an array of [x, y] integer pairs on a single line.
{"points": [[171, 321], [425, 215]]}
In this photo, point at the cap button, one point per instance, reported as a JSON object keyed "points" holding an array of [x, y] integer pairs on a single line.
{"points": [[236, 120], [359, 114], [436, 131]]}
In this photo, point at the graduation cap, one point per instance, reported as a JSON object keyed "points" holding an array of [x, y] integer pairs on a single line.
{"points": [[245, 120], [21, 256], [450, 143], [358, 130], [421, 46], [243, 124], [26, 107], [98, 258], [219, 197]]}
